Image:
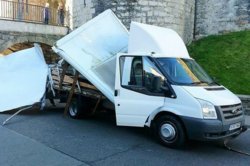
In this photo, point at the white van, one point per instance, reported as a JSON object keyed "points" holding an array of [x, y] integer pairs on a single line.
{"points": [[152, 81]]}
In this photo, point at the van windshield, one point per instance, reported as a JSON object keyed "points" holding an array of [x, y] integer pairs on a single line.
{"points": [[184, 71]]}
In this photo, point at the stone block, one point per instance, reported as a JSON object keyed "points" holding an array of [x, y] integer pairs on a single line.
{"points": [[143, 2]]}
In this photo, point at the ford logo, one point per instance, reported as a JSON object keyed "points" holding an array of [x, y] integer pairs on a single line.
{"points": [[234, 111]]}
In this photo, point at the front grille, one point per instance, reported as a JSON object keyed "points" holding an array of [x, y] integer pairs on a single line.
{"points": [[232, 111]]}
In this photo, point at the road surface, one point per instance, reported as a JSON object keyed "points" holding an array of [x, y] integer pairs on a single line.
{"points": [[48, 138]]}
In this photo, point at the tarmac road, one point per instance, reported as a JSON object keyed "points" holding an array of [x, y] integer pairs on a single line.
{"points": [[48, 138]]}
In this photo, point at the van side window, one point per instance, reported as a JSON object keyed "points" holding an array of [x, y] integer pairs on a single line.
{"points": [[131, 71], [141, 75], [136, 76]]}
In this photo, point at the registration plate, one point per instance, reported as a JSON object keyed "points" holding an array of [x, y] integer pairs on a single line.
{"points": [[234, 126]]}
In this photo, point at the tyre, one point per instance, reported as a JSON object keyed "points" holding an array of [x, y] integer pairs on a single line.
{"points": [[170, 131], [81, 107], [74, 110]]}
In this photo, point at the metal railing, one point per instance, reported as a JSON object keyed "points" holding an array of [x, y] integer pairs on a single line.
{"points": [[24, 12]]}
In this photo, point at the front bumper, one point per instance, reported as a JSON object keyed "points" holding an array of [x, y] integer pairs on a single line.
{"points": [[201, 129]]}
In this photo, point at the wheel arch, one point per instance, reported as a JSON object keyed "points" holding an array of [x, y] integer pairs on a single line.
{"points": [[151, 121]]}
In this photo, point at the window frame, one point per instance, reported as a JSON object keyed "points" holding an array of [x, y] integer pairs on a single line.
{"points": [[142, 89]]}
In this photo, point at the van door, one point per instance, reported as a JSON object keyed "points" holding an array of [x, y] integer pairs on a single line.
{"points": [[138, 90]]}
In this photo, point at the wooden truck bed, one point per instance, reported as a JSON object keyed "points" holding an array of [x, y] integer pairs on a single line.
{"points": [[61, 80]]}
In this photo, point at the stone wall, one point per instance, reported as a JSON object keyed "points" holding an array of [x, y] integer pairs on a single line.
{"points": [[80, 11], [220, 16], [212, 16], [178, 15], [246, 103]]}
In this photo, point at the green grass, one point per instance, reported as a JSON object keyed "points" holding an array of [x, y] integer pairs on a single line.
{"points": [[227, 58]]}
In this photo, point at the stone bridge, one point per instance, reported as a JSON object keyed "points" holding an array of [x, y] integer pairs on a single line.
{"points": [[14, 32]]}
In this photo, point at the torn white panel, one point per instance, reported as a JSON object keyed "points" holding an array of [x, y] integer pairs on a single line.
{"points": [[23, 77], [91, 49]]}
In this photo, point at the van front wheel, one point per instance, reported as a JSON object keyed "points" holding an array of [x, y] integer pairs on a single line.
{"points": [[170, 131]]}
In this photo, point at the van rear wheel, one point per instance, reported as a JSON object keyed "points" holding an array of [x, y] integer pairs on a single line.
{"points": [[170, 131], [81, 107], [74, 111]]}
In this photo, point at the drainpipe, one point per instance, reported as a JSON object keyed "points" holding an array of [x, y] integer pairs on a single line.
{"points": [[27, 6], [195, 18]]}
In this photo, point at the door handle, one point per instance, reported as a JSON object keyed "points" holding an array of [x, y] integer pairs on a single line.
{"points": [[116, 92]]}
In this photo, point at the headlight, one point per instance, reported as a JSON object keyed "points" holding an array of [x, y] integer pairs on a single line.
{"points": [[208, 109]]}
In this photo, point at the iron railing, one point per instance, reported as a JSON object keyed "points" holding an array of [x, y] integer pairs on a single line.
{"points": [[24, 12]]}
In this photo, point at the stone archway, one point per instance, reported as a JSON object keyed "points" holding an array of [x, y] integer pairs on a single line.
{"points": [[49, 55], [7, 39], [16, 41]]}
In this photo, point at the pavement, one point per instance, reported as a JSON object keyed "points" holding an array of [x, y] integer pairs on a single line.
{"points": [[47, 138], [21, 150], [247, 121]]}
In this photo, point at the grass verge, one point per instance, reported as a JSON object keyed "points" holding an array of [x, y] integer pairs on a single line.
{"points": [[227, 58]]}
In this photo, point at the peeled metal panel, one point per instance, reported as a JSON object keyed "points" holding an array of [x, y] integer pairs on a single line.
{"points": [[164, 42], [23, 77], [90, 48]]}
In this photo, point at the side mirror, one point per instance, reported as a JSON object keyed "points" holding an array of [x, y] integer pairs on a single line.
{"points": [[156, 83], [165, 88], [168, 91]]}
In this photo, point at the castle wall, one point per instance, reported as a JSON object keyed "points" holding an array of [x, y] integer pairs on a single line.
{"points": [[178, 15], [217, 17], [209, 17]]}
